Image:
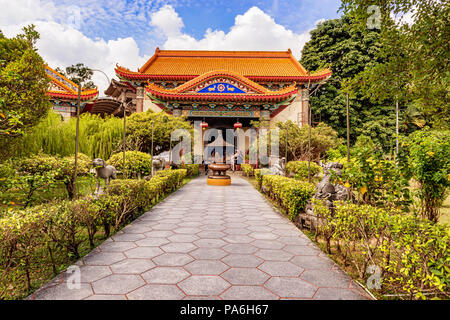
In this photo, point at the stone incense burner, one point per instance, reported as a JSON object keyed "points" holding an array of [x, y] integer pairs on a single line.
{"points": [[219, 176]]}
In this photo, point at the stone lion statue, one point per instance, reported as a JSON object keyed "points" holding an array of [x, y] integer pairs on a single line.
{"points": [[103, 171], [158, 163]]}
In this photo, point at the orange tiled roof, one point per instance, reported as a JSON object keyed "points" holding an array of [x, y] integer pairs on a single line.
{"points": [[64, 88], [187, 65], [184, 92]]}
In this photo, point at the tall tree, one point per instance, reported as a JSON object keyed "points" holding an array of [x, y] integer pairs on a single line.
{"points": [[415, 53], [78, 73], [23, 86], [348, 52]]}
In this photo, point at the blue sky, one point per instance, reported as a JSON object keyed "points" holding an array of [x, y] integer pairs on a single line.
{"points": [[111, 19], [103, 33]]}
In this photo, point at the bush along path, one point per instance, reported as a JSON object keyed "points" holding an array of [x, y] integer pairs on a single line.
{"points": [[38, 242], [206, 242]]}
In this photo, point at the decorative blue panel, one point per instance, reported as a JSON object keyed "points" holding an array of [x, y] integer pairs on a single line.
{"points": [[221, 88]]}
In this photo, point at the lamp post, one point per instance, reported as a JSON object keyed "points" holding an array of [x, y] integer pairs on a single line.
{"points": [[77, 134]]}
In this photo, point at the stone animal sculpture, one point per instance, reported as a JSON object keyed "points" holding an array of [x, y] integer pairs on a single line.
{"points": [[279, 167], [103, 171], [158, 163]]}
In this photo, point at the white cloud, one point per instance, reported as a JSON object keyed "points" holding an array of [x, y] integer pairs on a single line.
{"points": [[61, 45], [167, 20], [254, 30]]}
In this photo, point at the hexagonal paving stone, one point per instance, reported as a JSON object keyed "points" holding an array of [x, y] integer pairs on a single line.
{"points": [[281, 269], [89, 273], [103, 258], [183, 238], [144, 252], [164, 226], [302, 250], [210, 243], [263, 235], [248, 293], [206, 267], [165, 275], [180, 247], [116, 246], [208, 253], [107, 297], [326, 278], [159, 234], [172, 259], [267, 244], [242, 260], [291, 288], [132, 266], [156, 292], [135, 228], [128, 237], [298, 240], [117, 284], [338, 294], [241, 248], [62, 292], [238, 238], [204, 285], [213, 227], [152, 242], [273, 255], [312, 262], [236, 231], [245, 276], [186, 230], [211, 234], [260, 228]]}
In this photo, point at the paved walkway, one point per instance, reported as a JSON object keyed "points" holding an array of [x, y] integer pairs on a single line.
{"points": [[206, 242]]}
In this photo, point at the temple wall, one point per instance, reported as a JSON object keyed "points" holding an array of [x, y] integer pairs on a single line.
{"points": [[293, 112], [149, 105]]}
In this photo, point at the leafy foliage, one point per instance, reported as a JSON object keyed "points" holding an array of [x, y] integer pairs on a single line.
{"points": [[291, 194], [414, 56], [139, 130], [323, 137], [23, 86], [379, 182], [300, 169], [99, 137], [137, 163], [412, 253], [80, 74], [47, 237], [426, 158], [247, 169]]}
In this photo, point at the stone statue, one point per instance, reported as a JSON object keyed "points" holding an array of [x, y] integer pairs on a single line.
{"points": [[103, 171], [279, 167], [158, 163]]}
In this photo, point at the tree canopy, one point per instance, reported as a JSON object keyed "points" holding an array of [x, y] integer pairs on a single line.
{"points": [[23, 85], [348, 52], [78, 73], [415, 54]]}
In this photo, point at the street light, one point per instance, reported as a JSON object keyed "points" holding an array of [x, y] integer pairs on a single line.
{"points": [[77, 135]]}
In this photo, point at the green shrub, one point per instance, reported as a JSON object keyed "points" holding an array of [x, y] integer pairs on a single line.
{"points": [[412, 253], [137, 163], [259, 173], [291, 194], [300, 169], [193, 170], [247, 169], [38, 238]]}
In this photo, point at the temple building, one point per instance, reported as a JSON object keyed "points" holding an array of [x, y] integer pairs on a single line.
{"points": [[220, 87], [63, 94]]}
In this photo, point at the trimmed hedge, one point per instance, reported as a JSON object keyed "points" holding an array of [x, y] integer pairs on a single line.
{"points": [[193, 170], [412, 253], [44, 238], [300, 169], [137, 163], [291, 194], [259, 173], [247, 169]]}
